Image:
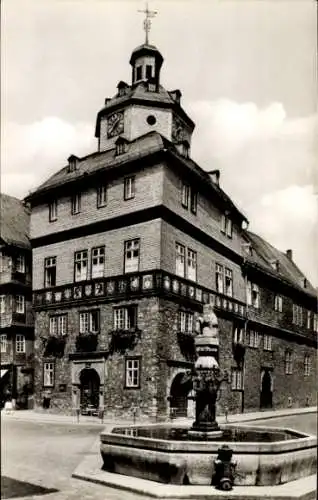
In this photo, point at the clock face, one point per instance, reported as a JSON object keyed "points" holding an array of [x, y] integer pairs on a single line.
{"points": [[178, 131], [115, 124]]}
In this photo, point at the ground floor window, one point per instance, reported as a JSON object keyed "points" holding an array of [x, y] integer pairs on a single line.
{"points": [[48, 374], [132, 372], [237, 379], [307, 364], [288, 363]]}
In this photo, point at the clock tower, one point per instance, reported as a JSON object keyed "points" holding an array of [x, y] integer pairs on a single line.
{"points": [[144, 105]]}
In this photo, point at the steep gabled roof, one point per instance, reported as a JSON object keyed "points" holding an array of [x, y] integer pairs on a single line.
{"points": [[14, 221], [264, 254]]}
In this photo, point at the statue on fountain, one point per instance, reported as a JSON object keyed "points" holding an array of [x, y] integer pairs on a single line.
{"points": [[207, 375]]}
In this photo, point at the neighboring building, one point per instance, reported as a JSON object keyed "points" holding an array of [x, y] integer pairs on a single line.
{"points": [[16, 317], [129, 243]]}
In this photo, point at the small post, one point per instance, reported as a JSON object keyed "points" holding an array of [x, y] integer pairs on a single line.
{"points": [[134, 411], [226, 412]]}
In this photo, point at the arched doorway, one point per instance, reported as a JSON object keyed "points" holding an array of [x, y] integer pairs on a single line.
{"points": [[89, 389], [179, 391], [266, 399]]}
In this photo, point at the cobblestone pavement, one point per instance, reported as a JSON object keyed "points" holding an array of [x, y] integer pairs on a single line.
{"points": [[38, 458]]}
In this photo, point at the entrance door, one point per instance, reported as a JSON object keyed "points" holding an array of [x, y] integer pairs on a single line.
{"points": [[266, 389], [180, 388], [89, 386]]}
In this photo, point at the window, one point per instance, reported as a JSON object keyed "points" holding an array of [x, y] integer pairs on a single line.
{"points": [[252, 338], [307, 365], [192, 265], [228, 282], [20, 263], [49, 272], [81, 265], [309, 315], [129, 188], [189, 197], [20, 343], [237, 379], [148, 71], [76, 203], [193, 201], [102, 196], [48, 374], [238, 335], [3, 342], [98, 262], [297, 315], [219, 278], [131, 256], [226, 225], [252, 295], [19, 304], [125, 318], [2, 262], [315, 326], [58, 325], [180, 260], [185, 193], [132, 369], [121, 147], [89, 322], [2, 303], [267, 342], [278, 303], [139, 73], [186, 322], [288, 363], [53, 211]]}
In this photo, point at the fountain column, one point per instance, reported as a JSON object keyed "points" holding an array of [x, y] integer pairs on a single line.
{"points": [[207, 376]]}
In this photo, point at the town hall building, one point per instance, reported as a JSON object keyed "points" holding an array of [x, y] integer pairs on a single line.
{"points": [[128, 244]]}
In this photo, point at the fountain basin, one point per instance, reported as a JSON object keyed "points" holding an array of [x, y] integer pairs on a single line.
{"points": [[165, 453]]}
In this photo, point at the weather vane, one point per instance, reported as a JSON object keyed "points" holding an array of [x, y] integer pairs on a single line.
{"points": [[147, 22]]}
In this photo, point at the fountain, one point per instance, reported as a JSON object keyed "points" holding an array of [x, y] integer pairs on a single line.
{"points": [[202, 455]]}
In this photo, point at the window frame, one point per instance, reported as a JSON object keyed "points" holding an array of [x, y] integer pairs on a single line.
{"points": [[237, 382], [133, 359], [3, 343], [185, 195], [238, 335], [130, 193], [102, 247], [133, 249], [20, 263], [59, 329], [53, 213], [267, 342], [228, 273], [186, 321], [2, 304], [80, 261], [20, 301], [129, 312], [76, 203], [138, 70], [219, 278], [191, 257], [90, 314], [50, 371], [288, 362], [101, 195], [253, 339], [307, 365], [46, 267], [193, 201], [179, 256], [20, 343], [278, 303]]}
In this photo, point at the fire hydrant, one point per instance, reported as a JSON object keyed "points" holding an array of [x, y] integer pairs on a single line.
{"points": [[224, 469]]}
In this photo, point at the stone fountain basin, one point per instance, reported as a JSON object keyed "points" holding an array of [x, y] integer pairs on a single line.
{"points": [[185, 461]]}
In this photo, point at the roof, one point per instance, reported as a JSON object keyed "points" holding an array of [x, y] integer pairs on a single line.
{"points": [[139, 92], [143, 146], [265, 254], [145, 49], [14, 221]]}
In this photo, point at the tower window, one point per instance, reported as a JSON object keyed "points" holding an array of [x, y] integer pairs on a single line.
{"points": [[139, 73], [148, 71], [151, 120]]}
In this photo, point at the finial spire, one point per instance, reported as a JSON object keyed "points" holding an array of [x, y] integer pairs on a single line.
{"points": [[147, 22]]}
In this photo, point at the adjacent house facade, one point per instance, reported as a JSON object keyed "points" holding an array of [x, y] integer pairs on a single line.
{"points": [[16, 316], [128, 244]]}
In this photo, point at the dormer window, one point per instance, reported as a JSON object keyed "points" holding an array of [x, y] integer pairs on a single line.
{"points": [[121, 146], [122, 88], [72, 163], [138, 73], [183, 148], [275, 265]]}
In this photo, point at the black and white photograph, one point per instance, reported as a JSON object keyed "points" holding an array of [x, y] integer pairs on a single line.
{"points": [[159, 249]]}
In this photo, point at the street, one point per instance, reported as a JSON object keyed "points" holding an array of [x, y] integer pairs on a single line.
{"points": [[39, 458]]}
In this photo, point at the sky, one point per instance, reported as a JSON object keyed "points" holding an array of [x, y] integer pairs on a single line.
{"points": [[247, 70]]}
